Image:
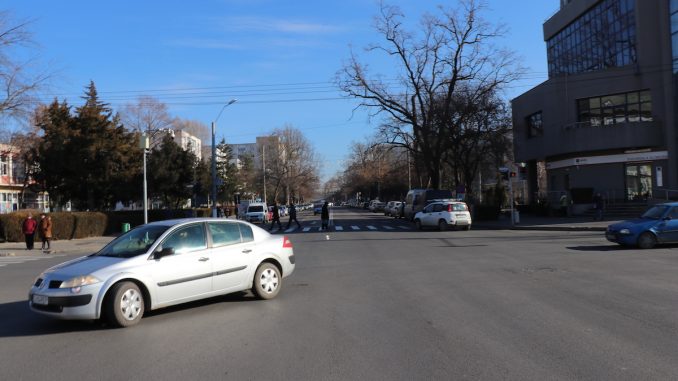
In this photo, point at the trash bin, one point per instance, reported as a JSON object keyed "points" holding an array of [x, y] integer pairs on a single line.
{"points": [[125, 227]]}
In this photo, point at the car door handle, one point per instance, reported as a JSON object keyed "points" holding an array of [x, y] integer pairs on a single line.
{"points": [[247, 251], [203, 259]]}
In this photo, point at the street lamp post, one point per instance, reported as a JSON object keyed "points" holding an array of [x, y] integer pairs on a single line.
{"points": [[214, 159]]}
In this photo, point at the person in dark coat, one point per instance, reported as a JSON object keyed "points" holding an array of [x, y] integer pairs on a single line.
{"points": [[325, 216], [293, 216], [28, 228], [276, 217], [599, 205]]}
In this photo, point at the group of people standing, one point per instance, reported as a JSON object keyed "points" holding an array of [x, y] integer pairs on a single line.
{"points": [[44, 229]]}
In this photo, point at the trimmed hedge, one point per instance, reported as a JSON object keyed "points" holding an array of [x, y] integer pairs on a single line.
{"points": [[74, 225]]}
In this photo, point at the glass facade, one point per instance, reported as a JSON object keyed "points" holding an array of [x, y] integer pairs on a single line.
{"points": [[603, 37], [617, 108], [674, 33]]}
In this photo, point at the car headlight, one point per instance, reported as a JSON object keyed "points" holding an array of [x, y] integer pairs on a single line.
{"points": [[625, 231], [77, 282]]}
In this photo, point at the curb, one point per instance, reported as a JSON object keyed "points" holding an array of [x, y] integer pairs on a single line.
{"points": [[542, 228]]}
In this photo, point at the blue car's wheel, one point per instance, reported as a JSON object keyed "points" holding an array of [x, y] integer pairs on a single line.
{"points": [[647, 240]]}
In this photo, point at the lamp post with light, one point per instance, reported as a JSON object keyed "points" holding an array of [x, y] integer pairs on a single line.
{"points": [[214, 159], [145, 146]]}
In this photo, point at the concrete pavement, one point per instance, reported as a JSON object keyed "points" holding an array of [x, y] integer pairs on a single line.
{"points": [[74, 246]]}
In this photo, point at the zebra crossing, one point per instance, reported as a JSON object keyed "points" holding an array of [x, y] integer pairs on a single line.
{"points": [[6, 260], [313, 227]]}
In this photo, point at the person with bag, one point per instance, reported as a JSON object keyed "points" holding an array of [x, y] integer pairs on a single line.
{"points": [[28, 229]]}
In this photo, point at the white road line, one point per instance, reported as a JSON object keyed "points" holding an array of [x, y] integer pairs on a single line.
{"points": [[388, 228], [371, 227], [306, 229], [355, 227], [314, 222], [290, 229], [404, 227], [338, 228]]}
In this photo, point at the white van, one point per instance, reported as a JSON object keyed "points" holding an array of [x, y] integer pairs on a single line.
{"points": [[257, 212]]}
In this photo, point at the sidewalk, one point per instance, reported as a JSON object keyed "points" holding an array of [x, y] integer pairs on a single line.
{"points": [[82, 246], [530, 222]]}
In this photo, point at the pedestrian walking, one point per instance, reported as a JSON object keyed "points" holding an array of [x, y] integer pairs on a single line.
{"points": [[325, 216], [599, 204], [564, 204], [276, 217], [293, 216], [45, 229], [28, 227]]}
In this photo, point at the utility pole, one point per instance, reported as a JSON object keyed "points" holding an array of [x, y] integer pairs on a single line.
{"points": [[263, 163]]}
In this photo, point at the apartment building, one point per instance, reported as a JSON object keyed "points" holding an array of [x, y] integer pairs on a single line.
{"points": [[606, 117]]}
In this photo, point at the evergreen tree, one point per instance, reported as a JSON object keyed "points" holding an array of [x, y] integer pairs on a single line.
{"points": [[226, 172], [171, 173]]}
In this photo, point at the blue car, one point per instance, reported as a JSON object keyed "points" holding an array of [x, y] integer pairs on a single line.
{"points": [[659, 224]]}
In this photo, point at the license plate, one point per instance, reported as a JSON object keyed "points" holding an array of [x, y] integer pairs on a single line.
{"points": [[40, 299]]}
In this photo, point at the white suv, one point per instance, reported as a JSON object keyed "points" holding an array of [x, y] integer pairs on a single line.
{"points": [[444, 214], [257, 212]]}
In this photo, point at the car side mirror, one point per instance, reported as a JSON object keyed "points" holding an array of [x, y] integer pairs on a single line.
{"points": [[163, 252]]}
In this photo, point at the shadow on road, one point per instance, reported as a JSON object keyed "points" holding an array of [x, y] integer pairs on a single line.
{"points": [[18, 320], [598, 248]]}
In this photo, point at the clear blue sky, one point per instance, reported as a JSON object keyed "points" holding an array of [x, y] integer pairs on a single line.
{"points": [[269, 54]]}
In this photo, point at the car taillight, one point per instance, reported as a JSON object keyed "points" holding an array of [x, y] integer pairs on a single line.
{"points": [[449, 207], [287, 243]]}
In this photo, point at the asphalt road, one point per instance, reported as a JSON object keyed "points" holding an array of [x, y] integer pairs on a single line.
{"points": [[384, 304]]}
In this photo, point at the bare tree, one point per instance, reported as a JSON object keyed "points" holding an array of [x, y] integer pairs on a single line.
{"points": [[452, 53], [146, 115], [19, 78], [292, 165], [193, 127]]}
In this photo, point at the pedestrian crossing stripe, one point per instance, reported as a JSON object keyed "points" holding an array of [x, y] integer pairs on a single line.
{"points": [[388, 228], [355, 227], [306, 229], [371, 227], [404, 227], [339, 228]]}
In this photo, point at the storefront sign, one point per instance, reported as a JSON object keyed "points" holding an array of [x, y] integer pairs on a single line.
{"points": [[622, 158]]}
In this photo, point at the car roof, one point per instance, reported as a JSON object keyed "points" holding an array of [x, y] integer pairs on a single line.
{"points": [[179, 221]]}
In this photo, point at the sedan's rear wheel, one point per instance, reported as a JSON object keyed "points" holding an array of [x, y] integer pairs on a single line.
{"points": [[125, 305], [267, 281], [647, 240], [442, 225]]}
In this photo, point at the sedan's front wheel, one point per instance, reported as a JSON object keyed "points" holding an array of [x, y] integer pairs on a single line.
{"points": [[124, 306], [647, 240], [267, 281]]}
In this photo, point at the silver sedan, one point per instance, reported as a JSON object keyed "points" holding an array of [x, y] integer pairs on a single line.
{"points": [[162, 264]]}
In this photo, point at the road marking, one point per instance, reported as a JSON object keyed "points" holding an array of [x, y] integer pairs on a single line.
{"points": [[338, 228], [314, 222], [11, 260], [355, 227], [404, 227], [306, 229], [290, 229], [388, 228], [320, 229], [371, 227]]}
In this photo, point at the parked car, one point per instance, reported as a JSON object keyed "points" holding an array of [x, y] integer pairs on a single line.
{"points": [[376, 206], [417, 199], [444, 214], [388, 208], [658, 225], [257, 212], [396, 209], [162, 264]]}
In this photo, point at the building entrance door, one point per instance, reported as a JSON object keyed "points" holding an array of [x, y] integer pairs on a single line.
{"points": [[638, 181]]}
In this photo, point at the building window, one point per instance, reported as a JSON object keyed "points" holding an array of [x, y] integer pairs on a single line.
{"points": [[535, 126], [601, 38], [674, 33], [615, 109], [4, 165]]}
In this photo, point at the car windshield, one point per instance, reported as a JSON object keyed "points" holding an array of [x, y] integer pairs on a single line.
{"points": [[256, 209], [135, 242], [656, 212]]}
